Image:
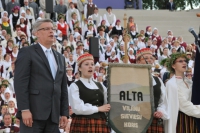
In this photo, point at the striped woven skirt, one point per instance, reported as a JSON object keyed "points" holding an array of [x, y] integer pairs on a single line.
{"points": [[88, 125], [186, 124], [156, 126]]}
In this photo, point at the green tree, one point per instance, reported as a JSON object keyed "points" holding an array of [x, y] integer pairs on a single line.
{"points": [[192, 2], [147, 4], [161, 4]]}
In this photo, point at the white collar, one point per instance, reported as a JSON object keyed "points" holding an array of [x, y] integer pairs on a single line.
{"points": [[118, 27], [44, 48], [96, 14], [149, 33], [133, 32], [86, 80]]}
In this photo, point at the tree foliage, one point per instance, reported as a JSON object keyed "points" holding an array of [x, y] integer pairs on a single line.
{"points": [[161, 4]]}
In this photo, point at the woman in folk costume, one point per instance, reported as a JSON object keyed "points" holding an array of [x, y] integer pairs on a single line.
{"points": [[131, 56], [77, 28], [74, 22], [133, 32], [7, 96], [109, 17], [189, 48], [77, 36], [59, 37], [30, 17], [121, 51], [72, 43], [179, 91], [179, 48], [70, 11], [148, 33], [90, 20], [9, 47], [3, 88], [14, 16], [70, 77], [26, 22], [157, 36], [91, 30], [4, 14], [102, 48], [96, 71], [162, 46], [108, 51], [170, 33], [24, 26], [14, 53], [6, 63], [62, 26], [12, 106], [88, 100], [117, 29], [144, 56], [103, 34], [96, 17], [113, 58], [140, 44], [131, 23], [71, 62], [106, 28], [6, 25]]}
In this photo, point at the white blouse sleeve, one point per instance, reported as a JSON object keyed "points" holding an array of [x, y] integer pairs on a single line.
{"points": [[187, 106], [78, 106], [71, 26], [163, 102], [114, 21], [105, 18]]}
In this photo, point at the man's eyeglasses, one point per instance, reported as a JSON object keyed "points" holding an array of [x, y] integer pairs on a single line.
{"points": [[181, 61], [47, 29]]}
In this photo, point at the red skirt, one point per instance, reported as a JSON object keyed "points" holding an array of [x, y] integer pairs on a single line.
{"points": [[88, 125], [156, 126]]}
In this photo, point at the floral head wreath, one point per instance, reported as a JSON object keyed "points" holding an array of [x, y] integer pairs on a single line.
{"points": [[61, 16], [73, 13], [164, 61], [172, 60]]}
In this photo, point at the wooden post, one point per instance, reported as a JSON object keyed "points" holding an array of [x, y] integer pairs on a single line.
{"points": [[125, 38]]}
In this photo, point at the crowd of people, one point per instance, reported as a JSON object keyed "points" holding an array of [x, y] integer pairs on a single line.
{"points": [[76, 22]]}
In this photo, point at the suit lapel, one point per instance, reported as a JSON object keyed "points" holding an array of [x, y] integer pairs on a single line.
{"points": [[43, 56], [57, 61]]}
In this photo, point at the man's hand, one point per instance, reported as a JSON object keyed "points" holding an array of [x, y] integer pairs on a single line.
{"points": [[27, 118], [158, 114], [63, 122]]}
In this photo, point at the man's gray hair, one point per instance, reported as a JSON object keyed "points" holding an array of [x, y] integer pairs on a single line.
{"points": [[39, 22]]}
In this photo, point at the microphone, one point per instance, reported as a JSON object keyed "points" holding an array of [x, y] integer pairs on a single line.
{"points": [[191, 30]]}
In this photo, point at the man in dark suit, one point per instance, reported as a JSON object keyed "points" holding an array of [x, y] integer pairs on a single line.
{"points": [[171, 5], [40, 84]]}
